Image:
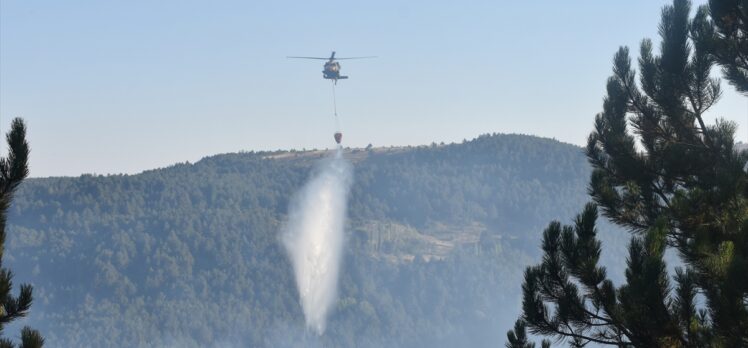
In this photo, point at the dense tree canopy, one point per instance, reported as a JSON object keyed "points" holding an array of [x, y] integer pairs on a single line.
{"points": [[189, 255]]}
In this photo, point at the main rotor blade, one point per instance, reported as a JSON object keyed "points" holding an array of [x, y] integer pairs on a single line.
{"points": [[366, 57], [308, 57]]}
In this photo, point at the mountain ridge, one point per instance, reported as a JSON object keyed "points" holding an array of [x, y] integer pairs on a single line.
{"points": [[437, 238], [316, 153]]}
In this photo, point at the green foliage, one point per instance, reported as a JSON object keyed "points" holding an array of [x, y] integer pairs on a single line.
{"points": [[13, 169], [722, 30], [517, 338], [31, 338], [662, 173], [189, 255]]}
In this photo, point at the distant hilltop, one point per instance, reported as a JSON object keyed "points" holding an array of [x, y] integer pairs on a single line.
{"points": [[741, 146], [127, 260], [356, 154]]}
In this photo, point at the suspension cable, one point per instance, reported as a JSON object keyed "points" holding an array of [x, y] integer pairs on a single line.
{"points": [[334, 101]]}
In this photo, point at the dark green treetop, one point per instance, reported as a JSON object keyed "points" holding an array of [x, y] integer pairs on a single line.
{"points": [[13, 169], [661, 172]]}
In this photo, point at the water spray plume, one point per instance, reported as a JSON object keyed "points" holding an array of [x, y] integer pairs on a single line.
{"points": [[313, 237]]}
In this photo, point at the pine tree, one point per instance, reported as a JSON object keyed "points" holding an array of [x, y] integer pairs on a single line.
{"points": [[675, 182], [13, 169]]}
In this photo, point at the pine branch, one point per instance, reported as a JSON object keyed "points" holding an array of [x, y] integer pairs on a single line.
{"points": [[31, 338]]}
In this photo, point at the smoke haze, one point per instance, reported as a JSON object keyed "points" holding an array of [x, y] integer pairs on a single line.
{"points": [[313, 237]]}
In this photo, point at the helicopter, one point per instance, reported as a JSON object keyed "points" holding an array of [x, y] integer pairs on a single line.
{"points": [[332, 67]]}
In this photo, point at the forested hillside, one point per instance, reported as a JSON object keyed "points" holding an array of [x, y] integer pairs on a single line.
{"points": [[437, 239]]}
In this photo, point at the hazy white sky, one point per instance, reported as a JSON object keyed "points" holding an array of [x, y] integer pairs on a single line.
{"points": [[125, 86]]}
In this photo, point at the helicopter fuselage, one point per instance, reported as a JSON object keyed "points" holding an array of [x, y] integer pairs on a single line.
{"points": [[332, 71]]}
